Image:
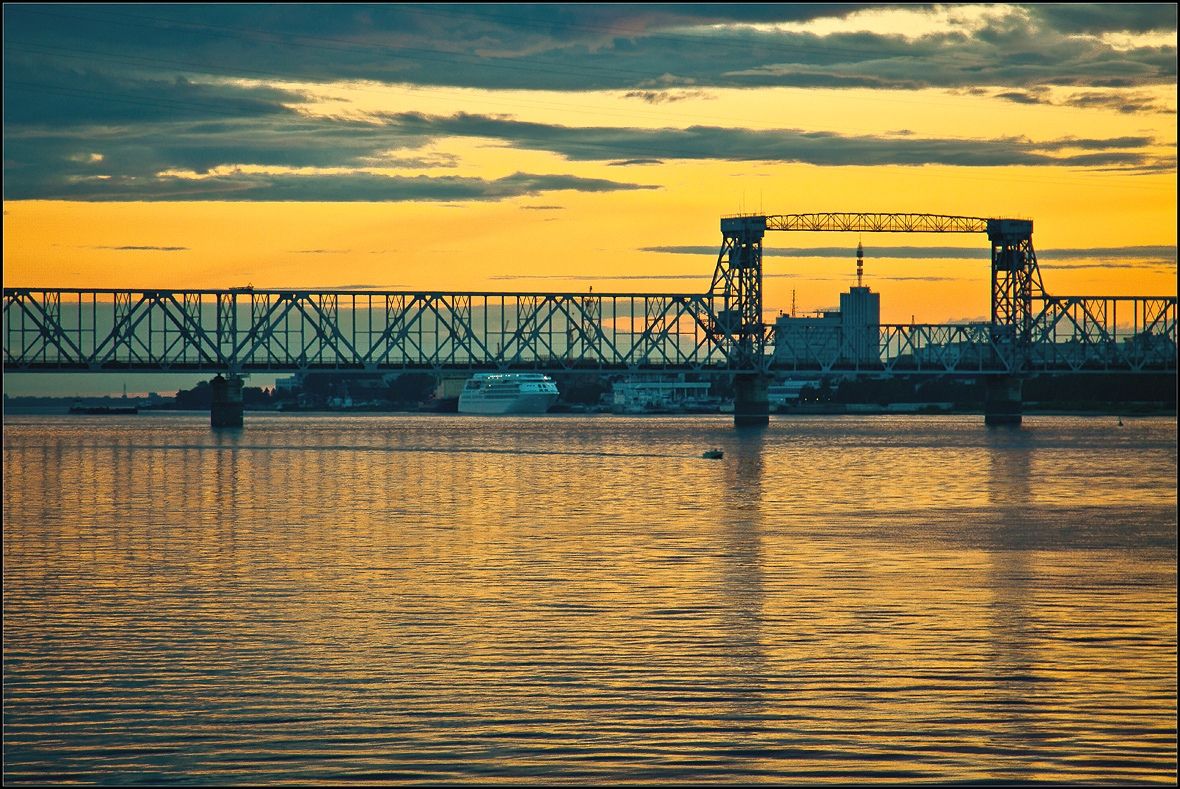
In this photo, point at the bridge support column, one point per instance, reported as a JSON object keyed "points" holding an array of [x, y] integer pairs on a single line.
{"points": [[226, 409], [1003, 400], [751, 405]]}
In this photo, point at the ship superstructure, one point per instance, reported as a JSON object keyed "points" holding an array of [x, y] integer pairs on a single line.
{"points": [[508, 393]]}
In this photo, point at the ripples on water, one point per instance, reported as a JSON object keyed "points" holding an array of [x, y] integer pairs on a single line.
{"points": [[572, 599]]}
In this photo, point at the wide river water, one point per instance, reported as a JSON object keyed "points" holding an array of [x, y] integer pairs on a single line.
{"points": [[442, 599]]}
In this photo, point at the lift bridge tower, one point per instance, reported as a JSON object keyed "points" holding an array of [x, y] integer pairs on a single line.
{"points": [[742, 333], [1016, 281]]}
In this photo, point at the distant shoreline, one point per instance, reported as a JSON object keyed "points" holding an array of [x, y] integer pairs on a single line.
{"points": [[1113, 410]]}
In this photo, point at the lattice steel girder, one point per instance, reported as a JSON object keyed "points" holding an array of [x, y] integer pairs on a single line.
{"points": [[1110, 331], [878, 223], [285, 330], [216, 331]]}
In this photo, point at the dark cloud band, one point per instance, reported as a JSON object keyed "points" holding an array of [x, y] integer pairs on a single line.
{"points": [[643, 50], [328, 188], [122, 102]]}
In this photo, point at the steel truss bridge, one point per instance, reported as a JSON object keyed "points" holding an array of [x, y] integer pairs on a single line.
{"points": [[722, 331]]}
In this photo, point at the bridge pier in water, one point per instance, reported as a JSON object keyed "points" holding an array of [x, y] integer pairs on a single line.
{"points": [[1003, 401], [751, 403], [226, 408]]}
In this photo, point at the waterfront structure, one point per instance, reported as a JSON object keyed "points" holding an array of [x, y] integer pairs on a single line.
{"points": [[786, 392], [508, 393], [637, 396]]}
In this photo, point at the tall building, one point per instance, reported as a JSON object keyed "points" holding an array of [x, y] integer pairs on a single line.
{"points": [[851, 335], [860, 318]]}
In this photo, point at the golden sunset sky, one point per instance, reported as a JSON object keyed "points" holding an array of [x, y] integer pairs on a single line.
{"points": [[557, 148]]}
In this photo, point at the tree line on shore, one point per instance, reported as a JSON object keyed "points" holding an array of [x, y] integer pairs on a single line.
{"points": [[414, 390]]}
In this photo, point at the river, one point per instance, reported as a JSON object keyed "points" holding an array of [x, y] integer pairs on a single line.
{"points": [[572, 599]]}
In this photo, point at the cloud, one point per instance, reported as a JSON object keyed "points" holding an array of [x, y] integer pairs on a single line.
{"points": [[542, 208], [47, 93], [145, 249], [1119, 101], [1126, 102], [704, 275], [1097, 18], [285, 157], [1021, 97], [665, 96], [1138, 251], [103, 102], [1110, 264], [361, 187], [42, 162], [633, 162], [644, 50], [781, 145]]}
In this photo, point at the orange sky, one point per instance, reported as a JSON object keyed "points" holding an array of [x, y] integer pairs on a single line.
{"points": [[1089, 168]]}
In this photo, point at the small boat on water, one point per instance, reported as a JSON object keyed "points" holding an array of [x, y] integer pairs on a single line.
{"points": [[713, 454]]}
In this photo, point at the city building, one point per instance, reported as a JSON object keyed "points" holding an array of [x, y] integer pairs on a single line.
{"points": [[850, 335]]}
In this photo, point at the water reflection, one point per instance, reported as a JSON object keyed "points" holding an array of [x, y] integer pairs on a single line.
{"points": [[742, 589], [1009, 483], [1013, 660], [442, 600]]}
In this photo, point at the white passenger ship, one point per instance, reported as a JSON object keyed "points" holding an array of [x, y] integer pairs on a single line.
{"points": [[507, 393]]}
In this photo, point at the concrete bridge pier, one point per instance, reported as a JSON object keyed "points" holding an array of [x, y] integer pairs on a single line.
{"points": [[1003, 400], [226, 409], [751, 405]]}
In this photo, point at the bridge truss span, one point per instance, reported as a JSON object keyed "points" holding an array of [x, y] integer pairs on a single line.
{"points": [[722, 331], [1104, 333], [242, 330], [877, 223], [1067, 338]]}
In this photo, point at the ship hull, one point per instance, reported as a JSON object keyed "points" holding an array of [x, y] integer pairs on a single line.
{"points": [[521, 404]]}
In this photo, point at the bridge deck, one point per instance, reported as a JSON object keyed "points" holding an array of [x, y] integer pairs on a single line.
{"points": [[72, 329]]}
